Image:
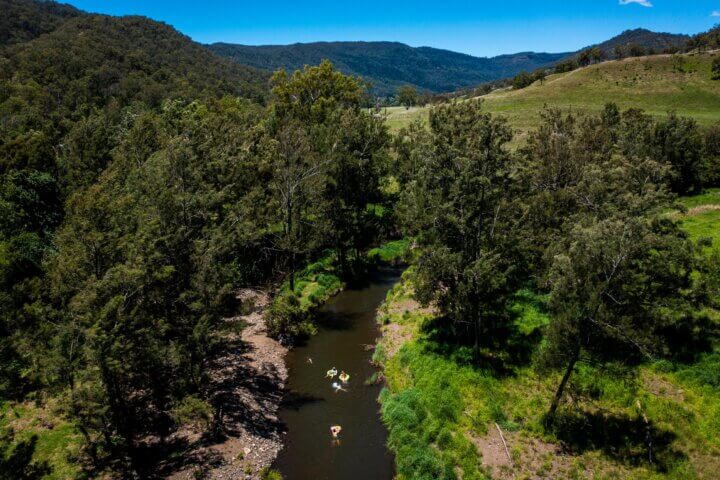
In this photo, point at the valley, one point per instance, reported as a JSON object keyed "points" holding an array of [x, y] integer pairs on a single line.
{"points": [[358, 259]]}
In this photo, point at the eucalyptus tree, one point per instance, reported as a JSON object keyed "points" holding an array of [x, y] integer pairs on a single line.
{"points": [[620, 292], [328, 154], [461, 206]]}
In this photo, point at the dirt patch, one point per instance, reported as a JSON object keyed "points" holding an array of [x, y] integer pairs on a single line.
{"points": [[394, 337], [248, 378], [700, 209], [530, 458], [662, 388]]}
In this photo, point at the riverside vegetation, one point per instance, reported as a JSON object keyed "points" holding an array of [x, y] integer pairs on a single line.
{"points": [[563, 323], [143, 181]]}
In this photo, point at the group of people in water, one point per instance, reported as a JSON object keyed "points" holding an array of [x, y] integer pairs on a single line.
{"points": [[344, 379]]}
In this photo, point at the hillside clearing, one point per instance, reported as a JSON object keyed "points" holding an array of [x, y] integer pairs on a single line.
{"points": [[656, 84]]}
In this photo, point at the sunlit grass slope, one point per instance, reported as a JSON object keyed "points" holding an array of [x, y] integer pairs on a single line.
{"points": [[657, 84]]}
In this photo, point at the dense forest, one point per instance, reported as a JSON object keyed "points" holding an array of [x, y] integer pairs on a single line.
{"points": [[389, 65], [144, 180]]}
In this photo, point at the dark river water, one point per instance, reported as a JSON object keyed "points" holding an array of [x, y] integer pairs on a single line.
{"points": [[347, 326]]}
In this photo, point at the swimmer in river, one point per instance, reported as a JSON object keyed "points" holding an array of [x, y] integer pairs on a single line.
{"points": [[309, 360], [344, 377], [338, 387], [335, 430], [331, 373]]}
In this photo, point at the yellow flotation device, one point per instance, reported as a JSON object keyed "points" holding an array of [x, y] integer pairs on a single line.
{"points": [[344, 377]]}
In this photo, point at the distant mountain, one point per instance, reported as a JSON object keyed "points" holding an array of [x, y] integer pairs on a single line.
{"points": [[23, 20], [390, 64], [648, 40]]}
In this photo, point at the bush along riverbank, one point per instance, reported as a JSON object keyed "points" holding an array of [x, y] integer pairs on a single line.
{"points": [[451, 417]]}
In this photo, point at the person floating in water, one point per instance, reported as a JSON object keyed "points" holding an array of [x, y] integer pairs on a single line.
{"points": [[338, 387], [331, 373], [309, 360], [335, 430], [344, 377]]}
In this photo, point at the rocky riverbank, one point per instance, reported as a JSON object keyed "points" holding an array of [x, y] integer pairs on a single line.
{"points": [[248, 379]]}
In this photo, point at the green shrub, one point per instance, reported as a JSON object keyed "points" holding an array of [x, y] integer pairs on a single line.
{"points": [[192, 410], [286, 316], [395, 251], [267, 474]]}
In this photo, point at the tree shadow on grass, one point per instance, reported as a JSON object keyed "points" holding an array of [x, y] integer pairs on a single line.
{"points": [[501, 353], [622, 438], [19, 463]]}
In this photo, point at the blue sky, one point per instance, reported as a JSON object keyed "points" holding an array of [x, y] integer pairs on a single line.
{"points": [[479, 27]]}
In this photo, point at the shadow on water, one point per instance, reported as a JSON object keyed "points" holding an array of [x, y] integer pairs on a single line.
{"points": [[347, 324]]}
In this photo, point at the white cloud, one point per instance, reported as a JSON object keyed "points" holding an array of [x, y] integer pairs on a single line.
{"points": [[644, 3], [716, 13]]}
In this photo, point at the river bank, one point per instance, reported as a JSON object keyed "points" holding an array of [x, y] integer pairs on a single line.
{"points": [[248, 382], [249, 375]]}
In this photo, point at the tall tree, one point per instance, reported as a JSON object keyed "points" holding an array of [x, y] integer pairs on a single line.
{"points": [[465, 220], [620, 289]]}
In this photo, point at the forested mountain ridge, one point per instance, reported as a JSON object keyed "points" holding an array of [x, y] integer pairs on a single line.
{"points": [[23, 20], [388, 65], [657, 42], [93, 62]]}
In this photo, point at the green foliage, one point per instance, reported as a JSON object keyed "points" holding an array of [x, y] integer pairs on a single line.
{"points": [[24, 20], [466, 268], [315, 93], [267, 474], [191, 410], [716, 69], [566, 66], [522, 80], [679, 143], [395, 251], [291, 311], [407, 96], [709, 40], [287, 317]]}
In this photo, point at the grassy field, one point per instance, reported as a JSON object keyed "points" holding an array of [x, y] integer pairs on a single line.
{"points": [[702, 220], [656, 84], [58, 442], [448, 418]]}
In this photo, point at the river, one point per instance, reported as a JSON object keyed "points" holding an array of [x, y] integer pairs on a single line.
{"points": [[347, 326]]}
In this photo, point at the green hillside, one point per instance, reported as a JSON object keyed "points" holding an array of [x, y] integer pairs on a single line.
{"points": [[388, 65], [656, 84], [23, 20]]}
